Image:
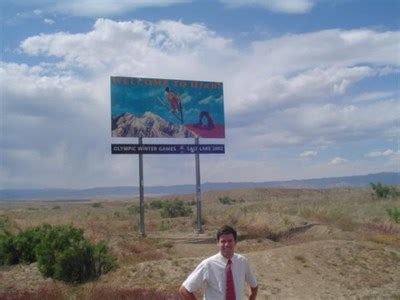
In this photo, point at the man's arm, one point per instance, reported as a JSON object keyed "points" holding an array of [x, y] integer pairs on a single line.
{"points": [[253, 293], [185, 294]]}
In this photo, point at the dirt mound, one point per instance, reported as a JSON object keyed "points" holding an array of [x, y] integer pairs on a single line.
{"points": [[311, 232], [328, 269]]}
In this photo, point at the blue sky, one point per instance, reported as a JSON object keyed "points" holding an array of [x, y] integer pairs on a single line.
{"points": [[311, 87]]}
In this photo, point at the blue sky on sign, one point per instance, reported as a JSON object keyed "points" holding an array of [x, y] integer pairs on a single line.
{"points": [[138, 99], [311, 87]]}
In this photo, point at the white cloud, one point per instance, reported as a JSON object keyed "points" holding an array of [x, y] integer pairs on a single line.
{"points": [[43, 95], [280, 6], [338, 161], [326, 48], [105, 8], [322, 124], [314, 84], [54, 122], [49, 21], [374, 96], [308, 153], [302, 72], [142, 47], [279, 92], [91, 8], [38, 12], [388, 152], [311, 65]]}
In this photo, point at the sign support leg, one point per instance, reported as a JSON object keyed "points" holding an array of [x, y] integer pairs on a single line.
{"points": [[141, 191], [198, 189]]}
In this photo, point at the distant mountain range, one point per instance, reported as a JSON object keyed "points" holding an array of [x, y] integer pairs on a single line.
{"points": [[127, 191]]}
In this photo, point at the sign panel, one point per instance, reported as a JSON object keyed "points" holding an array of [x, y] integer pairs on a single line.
{"points": [[167, 149], [150, 107]]}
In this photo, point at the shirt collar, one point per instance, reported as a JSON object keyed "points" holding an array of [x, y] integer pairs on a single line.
{"points": [[224, 259]]}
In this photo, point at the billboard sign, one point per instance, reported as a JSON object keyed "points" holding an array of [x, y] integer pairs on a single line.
{"points": [[157, 108], [167, 149]]}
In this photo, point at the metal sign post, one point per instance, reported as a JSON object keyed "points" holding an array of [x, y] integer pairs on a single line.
{"points": [[141, 191], [198, 189]]}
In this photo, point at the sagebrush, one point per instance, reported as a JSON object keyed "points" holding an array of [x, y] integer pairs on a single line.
{"points": [[62, 252], [394, 214]]}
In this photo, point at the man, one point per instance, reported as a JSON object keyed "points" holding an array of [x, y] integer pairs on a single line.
{"points": [[172, 99], [223, 275]]}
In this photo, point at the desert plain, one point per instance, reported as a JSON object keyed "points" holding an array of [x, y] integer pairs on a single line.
{"points": [[337, 243]]}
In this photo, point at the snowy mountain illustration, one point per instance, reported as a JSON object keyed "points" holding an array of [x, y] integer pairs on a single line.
{"points": [[148, 125]]}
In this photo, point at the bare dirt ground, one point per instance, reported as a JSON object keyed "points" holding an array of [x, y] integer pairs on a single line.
{"points": [[302, 244]]}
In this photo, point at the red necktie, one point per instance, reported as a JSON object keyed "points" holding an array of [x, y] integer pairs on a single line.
{"points": [[230, 287]]}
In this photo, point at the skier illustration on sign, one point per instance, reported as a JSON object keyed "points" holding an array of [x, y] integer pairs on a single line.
{"points": [[173, 100]]}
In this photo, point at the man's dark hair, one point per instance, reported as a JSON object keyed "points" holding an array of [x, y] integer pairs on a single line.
{"points": [[226, 230]]}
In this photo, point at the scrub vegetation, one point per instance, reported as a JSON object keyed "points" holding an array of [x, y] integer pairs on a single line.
{"points": [[339, 243], [62, 253]]}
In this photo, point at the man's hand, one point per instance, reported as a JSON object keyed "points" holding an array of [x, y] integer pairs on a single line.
{"points": [[253, 293], [185, 294]]}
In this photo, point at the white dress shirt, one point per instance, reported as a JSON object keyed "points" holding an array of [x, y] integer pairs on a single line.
{"points": [[210, 275]]}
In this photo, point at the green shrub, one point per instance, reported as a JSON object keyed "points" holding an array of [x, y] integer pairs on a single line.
{"points": [[54, 241], [8, 251], [175, 208], [5, 225], [27, 242], [384, 191], [164, 226], [61, 251], [394, 214], [83, 261], [226, 200], [103, 262], [133, 209], [75, 263], [97, 205], [157, 204], [22, 247]]}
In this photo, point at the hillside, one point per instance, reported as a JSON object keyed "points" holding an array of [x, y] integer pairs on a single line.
{"points": [[126, 191]]}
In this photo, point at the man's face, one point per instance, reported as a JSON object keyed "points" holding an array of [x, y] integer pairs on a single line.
{"points": [[226, 245]]}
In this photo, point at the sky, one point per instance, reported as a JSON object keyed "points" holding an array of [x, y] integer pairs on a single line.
{"points": [[311, 87]]}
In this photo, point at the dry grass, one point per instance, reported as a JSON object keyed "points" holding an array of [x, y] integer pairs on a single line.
{"points": [[42, 293], [153, 267]]}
